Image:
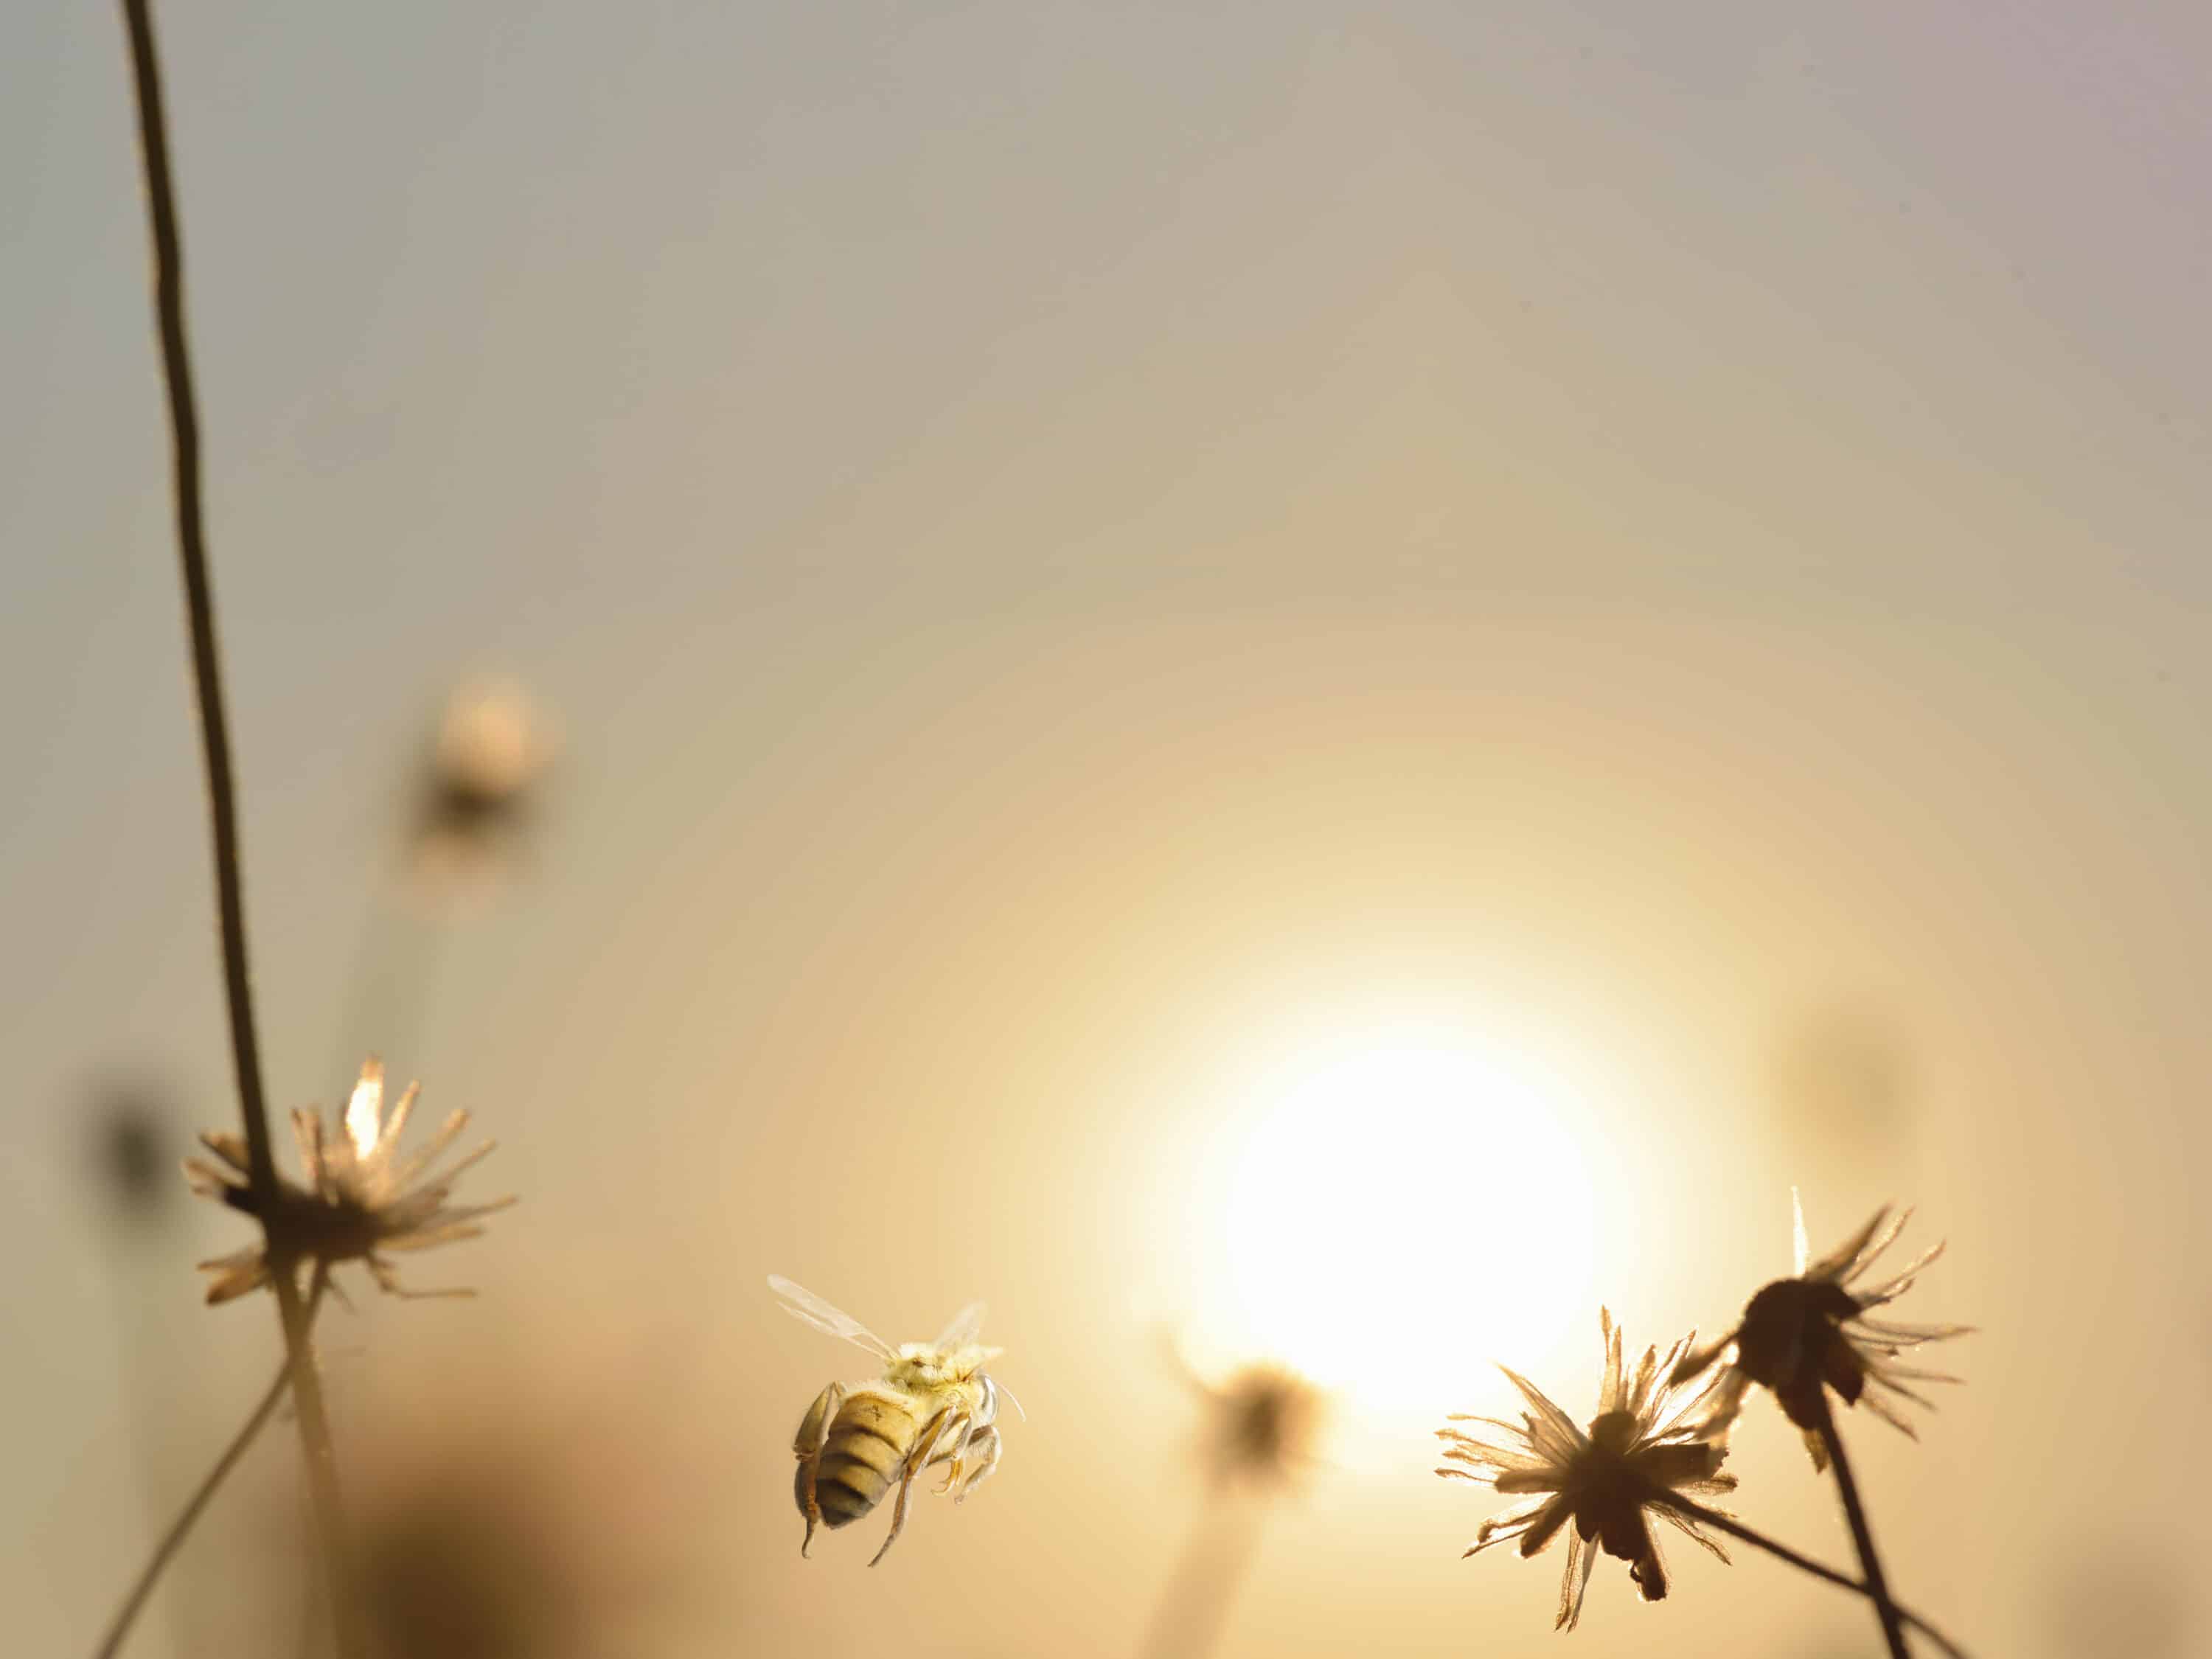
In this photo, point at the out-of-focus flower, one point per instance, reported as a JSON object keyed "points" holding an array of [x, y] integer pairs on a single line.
{"points": [[535, 1487], [360, 1199], [492, 746], [1262, 1426], [1260, 1430], [1802, 1335], [1843, 1075], [1651, 1437], [127, 1148]]}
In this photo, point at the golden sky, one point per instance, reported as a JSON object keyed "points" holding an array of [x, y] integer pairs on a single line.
{"points": [[1352, 683]]}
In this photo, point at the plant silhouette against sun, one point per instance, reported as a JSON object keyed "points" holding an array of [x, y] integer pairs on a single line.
{"points": [[1808, 1336], [1258, 1439], [1260, 1426], [1654, 1448], [1650, 1436]]}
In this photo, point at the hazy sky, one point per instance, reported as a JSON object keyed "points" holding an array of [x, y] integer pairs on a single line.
{"points": [[1078, 551]]}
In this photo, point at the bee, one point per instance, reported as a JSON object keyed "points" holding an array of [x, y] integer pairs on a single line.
{"points": [[933, 1404]]}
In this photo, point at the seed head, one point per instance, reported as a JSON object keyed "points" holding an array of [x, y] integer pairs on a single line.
{"points": [[1810, 1332], [360, 1200], [475, 794], [1263, 1423], [1650, 1437]]}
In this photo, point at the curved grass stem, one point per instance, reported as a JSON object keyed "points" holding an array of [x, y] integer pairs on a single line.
{"points": [[1193, 1608], [1774, 1547], [222, 807], [1893, 1623], [127, 1614]]}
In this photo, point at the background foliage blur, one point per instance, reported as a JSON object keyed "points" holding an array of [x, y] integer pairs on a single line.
{"points": [[1074, 550]]}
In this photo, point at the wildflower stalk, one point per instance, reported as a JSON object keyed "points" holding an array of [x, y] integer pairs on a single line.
{"points": [[127, 1614], [1893, 1623], [1194, 1608], [199, 603], [1721, 1522]]}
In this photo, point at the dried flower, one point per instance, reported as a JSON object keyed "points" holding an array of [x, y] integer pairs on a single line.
{"points": [[1263, 1423], [1802, 1335], [359, 1200], [1650, 1437], [475, 793]]}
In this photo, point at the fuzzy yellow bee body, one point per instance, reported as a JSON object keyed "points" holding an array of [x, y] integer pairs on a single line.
{"points": [[934, 1404]]}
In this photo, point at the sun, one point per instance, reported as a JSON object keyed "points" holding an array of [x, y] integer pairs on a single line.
{"points": [[1399, 1209]]}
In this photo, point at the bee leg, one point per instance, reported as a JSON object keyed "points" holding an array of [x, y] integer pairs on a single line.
{"points": [[954, 1454], [813, 1433], [925, 1447], [984, 1444]]}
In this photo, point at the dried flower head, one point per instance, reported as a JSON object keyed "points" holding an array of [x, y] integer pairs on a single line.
{"points": [[475, 793], [1802, 1335], [1650, 1437], [1263, 1424], [359, 1200]]}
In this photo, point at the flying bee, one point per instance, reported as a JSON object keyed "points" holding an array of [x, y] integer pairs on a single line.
{"points": [[933, 1404]]}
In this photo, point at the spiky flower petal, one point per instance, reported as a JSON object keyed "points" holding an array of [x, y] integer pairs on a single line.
{"points": [[1805, 1334], [361, 1199], [1651, 1437]]}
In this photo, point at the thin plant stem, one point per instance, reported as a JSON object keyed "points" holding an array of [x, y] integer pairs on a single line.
{"points": [[199, 605], [1892, 1625], [173, 1539], [1774, 1547], [321, 1455], [1194, 1607], [199, 601]]}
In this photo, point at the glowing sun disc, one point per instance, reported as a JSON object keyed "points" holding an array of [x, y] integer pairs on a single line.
{"points": [[1400, 1212]]}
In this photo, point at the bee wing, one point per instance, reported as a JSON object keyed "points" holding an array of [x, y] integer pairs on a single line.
{"points": [[802, 1303], [966, 1325]]}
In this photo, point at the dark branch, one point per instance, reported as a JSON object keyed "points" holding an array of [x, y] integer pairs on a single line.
{"points": [[1774, 1547], [223, 808], [199, 600], [1893, 1623]]}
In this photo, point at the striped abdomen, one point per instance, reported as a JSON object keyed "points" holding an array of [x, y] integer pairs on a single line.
{"points": [[860, 1456]]}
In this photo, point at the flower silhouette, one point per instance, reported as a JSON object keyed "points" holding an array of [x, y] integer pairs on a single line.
{"points": [[476, 792], [1263, 1424], [1650, 1438], [1802, 1335], [360, 1201]]}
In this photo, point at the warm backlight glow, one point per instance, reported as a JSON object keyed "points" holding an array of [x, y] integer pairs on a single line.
{"points": [[1400, 1211]]}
